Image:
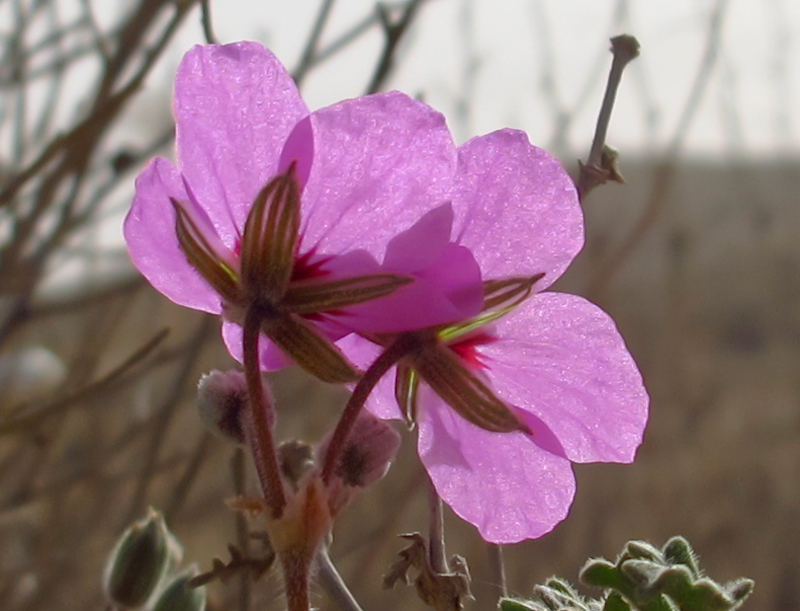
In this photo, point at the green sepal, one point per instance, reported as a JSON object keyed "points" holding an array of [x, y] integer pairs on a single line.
{"points": [[270, 238], [202, 256], [406, 386], [464, 391], [310, 297], [500, 298], [307, 347]]}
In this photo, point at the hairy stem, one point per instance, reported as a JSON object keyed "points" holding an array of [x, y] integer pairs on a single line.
{"points": [[401, 346], [296, 574], [259, 432]]}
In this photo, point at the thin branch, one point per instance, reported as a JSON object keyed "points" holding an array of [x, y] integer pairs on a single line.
{"points": [[62, 403], [393, 32], [205, 20], [599, 167], [497, 568], [310, 51]]}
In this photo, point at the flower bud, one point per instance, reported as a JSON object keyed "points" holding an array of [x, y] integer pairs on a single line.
{"points": [[180, 596], [139, 561], [368, 452], [221, 398]]}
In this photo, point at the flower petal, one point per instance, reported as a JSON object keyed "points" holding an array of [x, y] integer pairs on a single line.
{"points": [[380, 162], [149, 230], [447, 280], [561, 358], [235, 106], [516, 208], [503, 483], [271, 358]]}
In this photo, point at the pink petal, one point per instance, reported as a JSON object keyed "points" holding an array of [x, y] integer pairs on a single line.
{"points": [[235, 106], [299, 150], [516, 208], [153, 245], [447, 281], [562, 359], [503, 483], [381, 161], [420, 246], [271, 358]]}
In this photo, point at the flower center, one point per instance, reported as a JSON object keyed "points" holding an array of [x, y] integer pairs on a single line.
{"points": [[468, 348]]}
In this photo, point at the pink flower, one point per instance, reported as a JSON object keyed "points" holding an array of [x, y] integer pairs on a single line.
{"points": [[285, 211], [569, 390]]}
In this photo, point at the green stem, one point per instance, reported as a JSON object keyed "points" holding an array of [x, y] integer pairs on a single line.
{"points": [[259, 433]]}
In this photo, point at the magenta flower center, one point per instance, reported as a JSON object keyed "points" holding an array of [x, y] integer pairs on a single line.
{"points": [[467, 349]]}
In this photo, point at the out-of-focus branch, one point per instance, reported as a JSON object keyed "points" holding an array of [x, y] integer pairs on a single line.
{"points": [[205, 20], [393, 30], [310, 51]]}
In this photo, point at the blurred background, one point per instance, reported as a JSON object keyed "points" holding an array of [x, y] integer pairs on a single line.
{"points": [[696, 257]]}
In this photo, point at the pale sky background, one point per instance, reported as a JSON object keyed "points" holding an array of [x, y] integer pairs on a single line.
{"points": [[750, 103], [749, 107]]}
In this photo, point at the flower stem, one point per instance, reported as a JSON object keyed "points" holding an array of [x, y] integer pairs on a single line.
{"points": [[436, 551], [259, 434], [397, 350], [296, 577], [497, 568]]}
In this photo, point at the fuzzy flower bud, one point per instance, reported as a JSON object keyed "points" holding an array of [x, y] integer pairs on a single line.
{"points": [[139, 561], [221, 398], [180, 596], [366, 457]]}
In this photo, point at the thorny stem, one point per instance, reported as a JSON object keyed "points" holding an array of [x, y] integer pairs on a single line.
{"points": [[595, 171], [333, 584], [436, 549], [397, 350], [260, 436]]}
